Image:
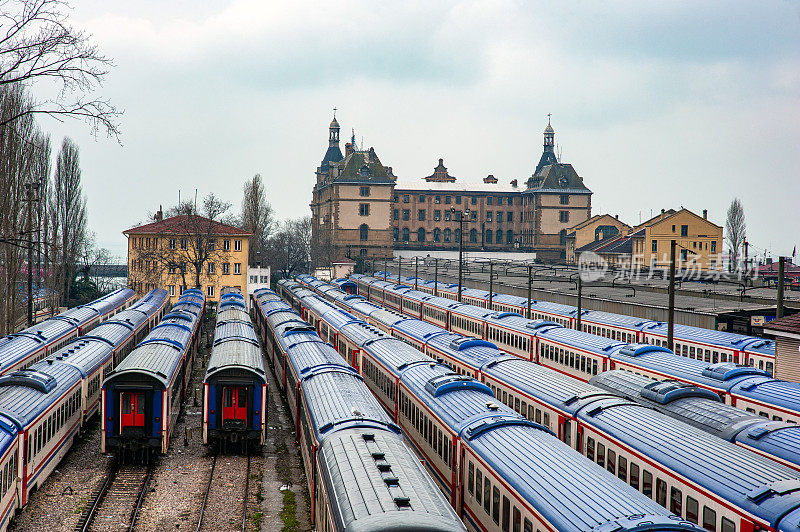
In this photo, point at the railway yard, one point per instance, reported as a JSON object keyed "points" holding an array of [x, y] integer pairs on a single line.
{"points": [[179, 486]]}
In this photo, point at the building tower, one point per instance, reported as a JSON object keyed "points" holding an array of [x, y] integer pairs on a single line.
{"points": [[333, 133]]}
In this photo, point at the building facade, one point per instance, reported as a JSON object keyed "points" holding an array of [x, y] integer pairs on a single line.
{"points": [[166, 254], [360, 209]]}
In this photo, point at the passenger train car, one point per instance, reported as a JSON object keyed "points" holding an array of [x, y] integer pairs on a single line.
{"points": [[699, 476], [583, 355], [360, 474], [694, 342], [467, 440], [235, 384], [21, 349], [43, 406], [141, 398]]}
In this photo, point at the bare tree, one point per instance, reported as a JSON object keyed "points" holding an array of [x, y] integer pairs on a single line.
{"points": [[289, 249], [69, 206], [735, 229], [256, 216], [37, 45]]}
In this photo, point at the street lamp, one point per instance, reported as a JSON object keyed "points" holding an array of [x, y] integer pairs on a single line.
{"points": [[461, 215]]}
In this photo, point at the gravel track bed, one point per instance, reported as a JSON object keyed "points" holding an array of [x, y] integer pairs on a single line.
{"points": [[226, 496]]}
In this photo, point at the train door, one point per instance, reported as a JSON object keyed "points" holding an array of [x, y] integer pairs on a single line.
{"points": [[234, 405], [132, 415]]}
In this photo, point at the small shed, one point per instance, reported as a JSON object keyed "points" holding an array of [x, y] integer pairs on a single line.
{"points": [[786, 332]]}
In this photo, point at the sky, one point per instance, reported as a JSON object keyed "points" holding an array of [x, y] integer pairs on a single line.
{"points": [[656, 104]]}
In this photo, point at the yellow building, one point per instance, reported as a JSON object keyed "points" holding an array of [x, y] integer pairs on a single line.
{"points": [[698, 241], [594, 230], [169, 252]]}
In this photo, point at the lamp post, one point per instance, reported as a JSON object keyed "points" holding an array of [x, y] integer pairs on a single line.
{"points": [[416, 273], [461, 215], [671, 301], [491, 283], [436, 277]]}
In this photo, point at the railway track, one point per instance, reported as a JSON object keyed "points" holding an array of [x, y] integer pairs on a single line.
{"points": [[220, 492], [115, 504]]}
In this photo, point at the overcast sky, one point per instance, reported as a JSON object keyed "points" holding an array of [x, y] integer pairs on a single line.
{"points": [[657, 104]]}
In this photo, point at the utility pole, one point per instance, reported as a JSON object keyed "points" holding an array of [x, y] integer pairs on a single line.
{"points": [[460, 251], [746, 249], [416, 273], [580, 285], [491, 283], [529, 291], [385, 271], [399, 268], [671, 304], [436, 277], [779, 307]]}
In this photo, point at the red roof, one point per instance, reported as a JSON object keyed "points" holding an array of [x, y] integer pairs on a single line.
{"points": [[789, 269], [185, 223], [790, 324], [344, 260]]}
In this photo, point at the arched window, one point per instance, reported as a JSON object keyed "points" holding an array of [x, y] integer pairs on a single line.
{"points": [[447, 234], [437, 235], [363, 232], [405, 234], [488, 236], [457, 236], [395, 233], [509, 237], [421, 234], [562, 236], [499, 236], [473, 235]]}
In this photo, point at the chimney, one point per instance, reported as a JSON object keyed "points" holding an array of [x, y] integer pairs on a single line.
{"points": [[616, 216], [159, 214], [372, 155], [514, 183], [705, 214], [663, 211], [348, 149]]}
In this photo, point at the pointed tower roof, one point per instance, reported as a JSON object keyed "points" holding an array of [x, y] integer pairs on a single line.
{"points": [[548, 154], [334, 154]]}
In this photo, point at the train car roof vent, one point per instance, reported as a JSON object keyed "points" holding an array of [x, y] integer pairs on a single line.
{"points": [[492, 406], [664, 392], [391, 481], [724, 371], [402, 502], [30, 378], [779, 487], [465, 342], [442, 384], [368, 436], [634, 350]]}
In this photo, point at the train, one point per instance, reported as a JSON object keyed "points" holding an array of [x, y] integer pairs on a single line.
{"points": [[43, 407], [142, 396], [360, 473], [235, 383], [582, 354], [467, 438], [656, 454], [693, 342], [28, 346]]}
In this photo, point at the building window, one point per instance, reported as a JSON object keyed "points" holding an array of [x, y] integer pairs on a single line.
{"points": [[406, 198], [563, 216], [713, 246], [654, 246], [396, 214], [473, 215], [421, 198], [395, 233], [210, 290], [437, 199], [172, 289], [457, 234], [447, 200], [437, 235], [488, 236], [184, 243], [226, 245], [421, 215], [437, 215], [509, 216], [171, 269], [564, 199], [172, 245], [684, 254], [447, 234], [458, 200], [237, 268], [488, 200], [363, 232], [406, 214], [396, 198], [362, 252], [500, 200], [226, 268], [499, 236], [509, 237], [447, 216], [421, 234], [210, 268], [488, 216], [212, 244], [684, 230], [562, 237], [499, 216], [473, 235], [364, 192], [673, 228], [405, 234], [237, 245], [511, 201], [474, 200], [363, 209]]}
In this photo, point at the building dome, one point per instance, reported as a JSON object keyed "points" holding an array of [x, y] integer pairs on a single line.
{"points": [[549, 128], [334, 124]]}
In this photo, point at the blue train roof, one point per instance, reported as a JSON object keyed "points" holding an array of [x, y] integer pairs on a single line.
{"points": [[418, 329], [337, 398], [472, 352], [474, 292], [8, 434], [236, 347], [614, 320], [360, 332], [387, 317], [508, 299], [307, 357], [775, 438], [27, 393], [317, 305], [394, 354], [766, 389], [338, 318], [364, 307], [722, 339], [581, 340], [464, 309]]}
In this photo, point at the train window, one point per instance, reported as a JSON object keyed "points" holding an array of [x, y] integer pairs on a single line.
{"points": [[634, 476], [708, 355], [728, 525], [661, 492], [763, 414], [594, 367], [724, 356], [590, 448], [611, 463], [538, 416], [506, 514], [601, 454], [709, 519], [496, 505], [583, 363], [516, 404], [675, 500], [622, 469], [769, 367], [517, 520], [777, 418], [715, 357], [547, 420], [751, 410], [487, 495], [691, 352], [528, 527], [524, 410], [471, 478], [647, 483], [478, 482]]}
